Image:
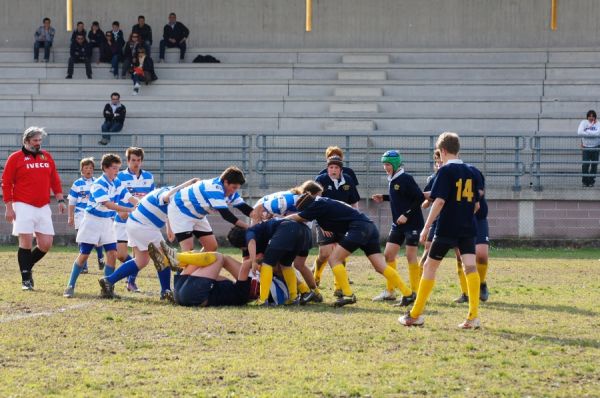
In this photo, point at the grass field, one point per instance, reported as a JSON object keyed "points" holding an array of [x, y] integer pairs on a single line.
{"points": [[540, 337]]}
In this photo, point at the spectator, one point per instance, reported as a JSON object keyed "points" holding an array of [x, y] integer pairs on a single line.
{"points": [[142, 71], [589, 131], [95, 38], [79, 54], [114, 118], [130, 51], [117, 34], [44, 36], [145, 32], [110, 52], [79, 30], [175, 34]]}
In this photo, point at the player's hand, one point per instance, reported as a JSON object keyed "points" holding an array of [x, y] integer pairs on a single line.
{"points": [[9, 214], [62, 208], [71, 222], [255, 267], [327, 234], [423, 236], [377, 198], [123, 215], [401, 220], [170, 235]]}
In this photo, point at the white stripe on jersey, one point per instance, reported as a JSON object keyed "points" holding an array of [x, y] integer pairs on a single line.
{"points": [[104, 190], [152, 210], [204, 197]]}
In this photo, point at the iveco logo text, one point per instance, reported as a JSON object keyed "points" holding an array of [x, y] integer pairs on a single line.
{"points": [[38, 165]]}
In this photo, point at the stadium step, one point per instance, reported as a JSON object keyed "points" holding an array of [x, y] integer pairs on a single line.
{"points": [[358, 91], [354, 107], [350, 125], [366, 59], [362, 75]]}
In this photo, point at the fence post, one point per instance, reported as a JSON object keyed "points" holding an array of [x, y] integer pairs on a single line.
{"points": [[517, 186], [537, 159], [161, 158]]}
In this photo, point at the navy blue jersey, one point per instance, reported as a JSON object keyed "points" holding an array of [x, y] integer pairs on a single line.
{"points": [[430, 181], [405, 195], [262, 233], [457, 185], [345, 170], [482, 213], [343, 190], [332, 215]]}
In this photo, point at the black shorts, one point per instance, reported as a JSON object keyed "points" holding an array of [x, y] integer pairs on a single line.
{"points": [[323, 240], [441, 245], [398, 237], [431, 232], [362, 235], [289, 240], [195, 291], [483, 232], [181, 236]]}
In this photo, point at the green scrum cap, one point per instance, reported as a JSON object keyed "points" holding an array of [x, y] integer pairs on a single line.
{"points": [[393, 158]]}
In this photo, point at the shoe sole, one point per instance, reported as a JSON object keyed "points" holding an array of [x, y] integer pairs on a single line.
{"points": [[104, 290], [153, 252]]}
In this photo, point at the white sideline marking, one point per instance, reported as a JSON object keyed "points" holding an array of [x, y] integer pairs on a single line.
{"points": [[18, 317]]}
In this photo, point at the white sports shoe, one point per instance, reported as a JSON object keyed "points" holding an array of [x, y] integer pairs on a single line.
{"points": [[474, 323], [385, 296], [407, 320]]}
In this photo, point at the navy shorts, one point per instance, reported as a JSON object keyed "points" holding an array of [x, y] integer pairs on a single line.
{"points": [[398, 237], [441, 245], [323, 240], [483, 232], [195, 291], [290, 239], [362, 235]]}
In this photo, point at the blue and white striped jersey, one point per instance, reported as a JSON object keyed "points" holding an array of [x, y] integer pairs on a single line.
{"points": [[205, 197], [152, 210], [138, 186], [102, 191], [279, 203], [80, 193]]}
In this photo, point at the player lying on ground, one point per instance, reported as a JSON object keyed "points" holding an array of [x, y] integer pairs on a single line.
{"points": [[144, 226], [359, 232]]}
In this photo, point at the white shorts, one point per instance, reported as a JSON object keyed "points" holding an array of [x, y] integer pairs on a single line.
{"points": [[121, 232], [78, 219], [141, 235], [97, 231], [30, 219], [181, 223]]}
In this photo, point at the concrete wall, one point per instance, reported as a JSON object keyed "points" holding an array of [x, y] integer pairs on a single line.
{"points": [[336, 23]]}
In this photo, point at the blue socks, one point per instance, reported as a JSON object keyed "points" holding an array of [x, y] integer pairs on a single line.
{"points": [[74, 274], [99, 252], [164, 277], [126, 269], [108, 270]]}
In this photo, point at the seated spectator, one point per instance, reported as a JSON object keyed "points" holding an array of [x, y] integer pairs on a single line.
{"points": [[79, 30], [79, 54], [130, 51], [145, 32], [142, 70], [44, 36], [117, 34], [175, 34], [95, 38], [110, 52], [114, 118]]}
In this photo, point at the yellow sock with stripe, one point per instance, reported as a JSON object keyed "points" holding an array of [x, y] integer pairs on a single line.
{"points": [[198, 259], [482, 270], [393, 278], [289, 274], [414, 276], [266, 278], [425, 289], [303, 287], [461, 277], [473, 286], [389, 286], [318, 272], [341, 276]]}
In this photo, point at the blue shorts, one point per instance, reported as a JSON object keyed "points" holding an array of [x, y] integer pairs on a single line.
{"points": [[86, 248], [290, 239], [483, 232], [195, 291], [361, 235]]}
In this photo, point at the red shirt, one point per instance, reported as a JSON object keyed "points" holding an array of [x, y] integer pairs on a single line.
{"points": [[29, 177]]}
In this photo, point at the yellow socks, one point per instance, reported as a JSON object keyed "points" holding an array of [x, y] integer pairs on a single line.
{"points": [[266, 277], [341, 276], [389, 286], [289, 275], [425, 289], [395, 280], [303, 287], [318, 272], [198, 259], [414, 276], [482, 270], [473, 286], [461, 277]]}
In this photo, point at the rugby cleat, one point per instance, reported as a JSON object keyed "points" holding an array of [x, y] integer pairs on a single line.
{"points": [[311, 296], [385, 296], [159, 260], [167, 295], [85, 270], [293, 302], [133, 288], [171, 256], [345, 300], [405, 301], [469, 324], [69, 292], [101, 263], [484, 293], [107, 289], [463, 298], [338, 293], [408, 320], [27, 285]]}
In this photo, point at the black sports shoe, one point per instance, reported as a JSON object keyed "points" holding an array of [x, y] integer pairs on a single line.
{"points": [[101, 263], [107, 289], [484, 293], [405, 301], [463, 298], [27, 284], [311, 296], [167, 295], [69, 77], [345, 300]]}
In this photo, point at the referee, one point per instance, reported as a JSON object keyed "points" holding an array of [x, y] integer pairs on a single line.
{"points": [[29, 175]]}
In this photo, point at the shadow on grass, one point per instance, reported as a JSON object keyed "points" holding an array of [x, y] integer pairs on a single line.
{"points": [[518, 308], [519, 336]]}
